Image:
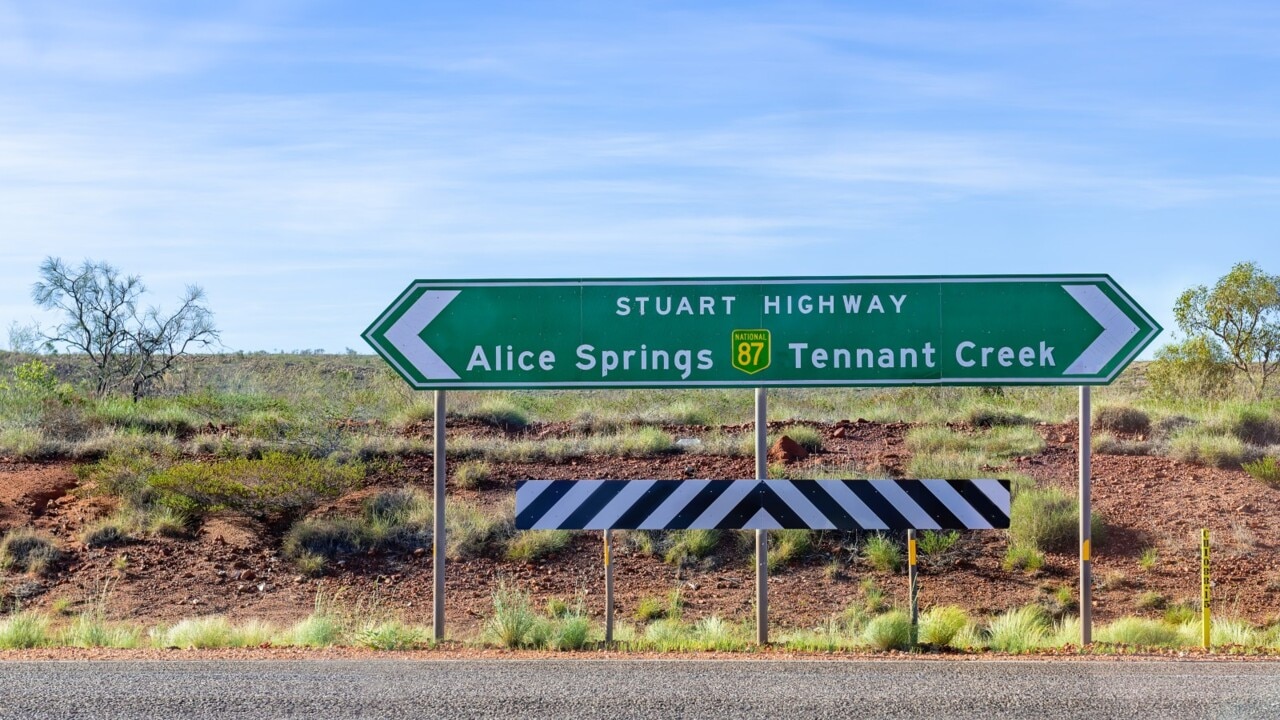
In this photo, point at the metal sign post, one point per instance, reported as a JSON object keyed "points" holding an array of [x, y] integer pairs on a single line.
{"points": [[438, 538], [762, 536], [1086, 520]]}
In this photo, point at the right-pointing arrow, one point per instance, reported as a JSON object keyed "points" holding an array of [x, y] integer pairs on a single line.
{"points": [[405, 336], [1117, 329]]}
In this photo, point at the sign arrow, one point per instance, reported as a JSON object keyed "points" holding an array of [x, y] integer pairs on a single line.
{"points": [[762, 332]]}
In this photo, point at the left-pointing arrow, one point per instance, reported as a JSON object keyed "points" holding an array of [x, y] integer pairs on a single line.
{"points": [[405, 335]]}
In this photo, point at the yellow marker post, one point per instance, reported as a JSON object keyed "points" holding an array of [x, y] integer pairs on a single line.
{"points": [[913, 586], [608, 587], [1205, 623]]}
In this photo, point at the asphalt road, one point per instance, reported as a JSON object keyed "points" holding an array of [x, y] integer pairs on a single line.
{"points": [[639, 689]]}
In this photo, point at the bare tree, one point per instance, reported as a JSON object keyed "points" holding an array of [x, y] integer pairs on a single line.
{"points": [[101, 319]]}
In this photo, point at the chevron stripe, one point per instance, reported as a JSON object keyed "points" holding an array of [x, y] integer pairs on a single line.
{"points": [[762, 504]]}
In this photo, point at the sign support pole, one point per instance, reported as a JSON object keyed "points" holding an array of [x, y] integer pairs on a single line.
{"points": [[1086, 519], [913, 587], [762, 536], [608, 586], [438, 531]]}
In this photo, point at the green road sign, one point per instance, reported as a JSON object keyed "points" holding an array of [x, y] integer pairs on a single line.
{"points": [[761, 332]]}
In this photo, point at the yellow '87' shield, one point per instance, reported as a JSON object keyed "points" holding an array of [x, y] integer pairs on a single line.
{"points": [[751, 350]]}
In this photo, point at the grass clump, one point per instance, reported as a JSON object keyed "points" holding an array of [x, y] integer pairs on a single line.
{"points": [[1022, 557], [1265, 469], [1204, 446], [640, 442], [1048, 520], [213, 631], [939, 626], [1122, 419], [114, 530], [937, 542], [513, 620], [808, 438], [788, 546], [24, 630], [91, 630], [1104, 443], [890, 631], [988, 416], [500, 413], [691, 545], [471, 475], [651, 608], [322, 538], [882, 553], [530, 545], [1018, 631], [27, 550], [1151, 600], [391, 635]]}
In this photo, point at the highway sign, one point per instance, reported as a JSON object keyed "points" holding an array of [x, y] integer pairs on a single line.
{"points": [[762, 332]]}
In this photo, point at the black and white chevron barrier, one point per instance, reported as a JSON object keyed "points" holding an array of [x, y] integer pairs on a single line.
{"points": [[762, 504]]}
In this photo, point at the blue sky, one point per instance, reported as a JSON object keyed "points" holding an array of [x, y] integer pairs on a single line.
{"points": [[304, 161]]}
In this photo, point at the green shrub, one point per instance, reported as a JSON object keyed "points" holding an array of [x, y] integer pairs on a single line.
{"points": [[882, 553], [890, 631], [688, 545], [28, 550], [642, 442], [1193, 368], [167, 522], [90, 630], [317, 630], [1150, 558], [1151, 600], [209, 632], [1254, 425], [571, 632], [530, 545], [1021, 557], [1232, 631], [310, 564], [1181, 613], [1121, 419], [940, 625], [1018, 631], [275, 485], [788, 546], [470, 532], [471, 475], [1048, 520], [936, 542], [1265, 469]]}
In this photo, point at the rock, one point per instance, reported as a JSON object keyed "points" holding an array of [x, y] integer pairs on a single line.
{"points": [[786, 450], [419, 552], [248, 575], [839, 433]]}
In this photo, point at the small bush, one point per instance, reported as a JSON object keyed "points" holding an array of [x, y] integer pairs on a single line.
{"points": [[642, 442], [890, 631], [1121, 419], [530, 545], [317, 630], [937, 542], [1138, 632], [167, 522], [90, 630], [1254, 426], [471, 475], [882, 553], [1181, 613], [1021, 557], [988, 416], [572, 632], [940, 625], [275, 485], [1265, 469], [209, 632], [28, 550], [1104, 443], [1018, 631]]}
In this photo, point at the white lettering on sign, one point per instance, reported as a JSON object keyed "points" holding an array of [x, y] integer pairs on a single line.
{"points": [[509, 358], [848, 358], [969, 354], [671, 305], [828, 305], [682, 361]]}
